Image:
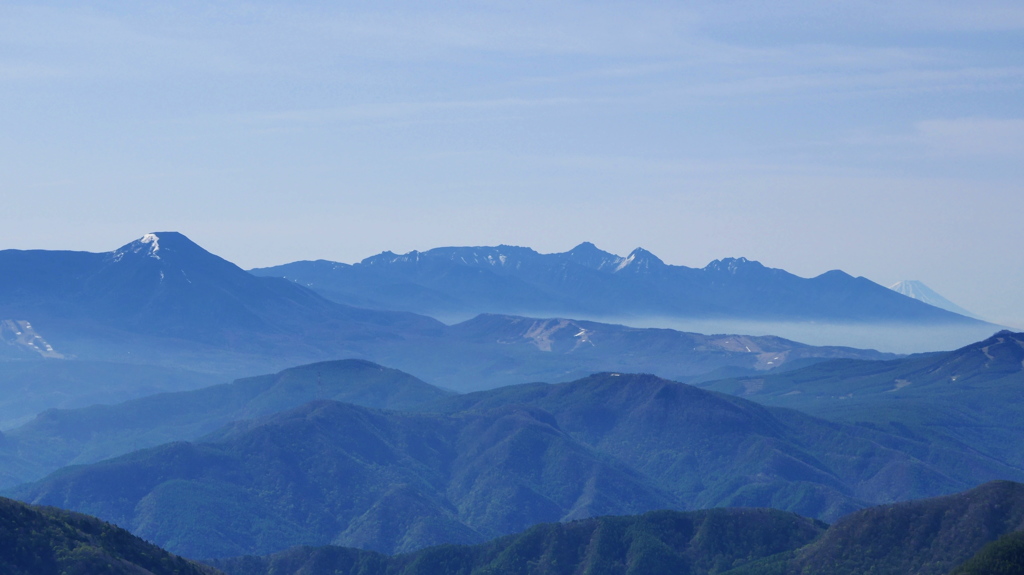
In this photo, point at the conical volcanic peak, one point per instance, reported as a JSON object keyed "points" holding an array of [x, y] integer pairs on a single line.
{"points": [[170, 248], [918, 290]]}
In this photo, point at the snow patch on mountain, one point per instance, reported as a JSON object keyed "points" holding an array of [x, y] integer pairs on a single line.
{"points": [[625, 262], [154, 248]]}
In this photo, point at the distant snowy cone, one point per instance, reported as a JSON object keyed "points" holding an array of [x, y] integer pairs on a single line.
{"points": [[917, 290]]}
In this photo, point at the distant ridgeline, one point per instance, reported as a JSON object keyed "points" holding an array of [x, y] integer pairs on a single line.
{"points": [[972, 396], [164, 301], [589, 282]]}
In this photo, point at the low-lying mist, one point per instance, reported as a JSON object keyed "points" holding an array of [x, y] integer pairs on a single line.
{"points": [[885, 337]]}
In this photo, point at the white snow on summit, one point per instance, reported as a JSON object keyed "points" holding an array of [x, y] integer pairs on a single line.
{"points": [[153, 249], [917, 290], [150, 240]]}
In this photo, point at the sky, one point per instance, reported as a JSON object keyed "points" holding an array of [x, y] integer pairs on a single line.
{"points": [[885, 139]]}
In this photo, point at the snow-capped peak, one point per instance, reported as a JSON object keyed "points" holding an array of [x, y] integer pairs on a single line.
{"points": [[155, 247], [919, 291], [147, 245]]}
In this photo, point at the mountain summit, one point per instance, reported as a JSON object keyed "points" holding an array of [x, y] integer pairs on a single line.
{"points": [[917, 290], [163, 295]]}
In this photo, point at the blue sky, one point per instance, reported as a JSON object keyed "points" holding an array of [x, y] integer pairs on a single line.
{"points": [[882, 138]]}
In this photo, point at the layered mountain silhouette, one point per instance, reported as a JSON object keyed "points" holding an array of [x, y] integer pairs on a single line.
{"points": [[655, 543], [29, 387], [972, 396], [927, 537], [468, 468], [59, 437], [164, 300], [589, 282], [975, 532]]}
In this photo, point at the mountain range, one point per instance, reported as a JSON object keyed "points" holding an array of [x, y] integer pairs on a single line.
{"points": [[586, 282], [348, 452], [978, 532], [162, 300], [466, 468], [60, 437]]}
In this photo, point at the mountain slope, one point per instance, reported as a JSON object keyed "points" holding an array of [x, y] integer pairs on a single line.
{"points": [[714, 450], [45, 541], [494, 463], [588, 282], [696, 542], [333, 472], [970, 397], [1004, 556], [916, 538], [57, 438], [494, 350], [164, 298]]}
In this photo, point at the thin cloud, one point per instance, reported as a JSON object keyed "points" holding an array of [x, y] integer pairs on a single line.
{"points": [[973, 137]]}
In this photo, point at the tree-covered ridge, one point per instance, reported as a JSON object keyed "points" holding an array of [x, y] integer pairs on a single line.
{"points": [[48, 541], [926, 537], [57, 438], [1004, 556], [696, 543], [984, 527], [971, 397], [491, 464]]}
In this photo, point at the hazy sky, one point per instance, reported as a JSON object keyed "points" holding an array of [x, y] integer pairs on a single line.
{"points": [[882, 138]]}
